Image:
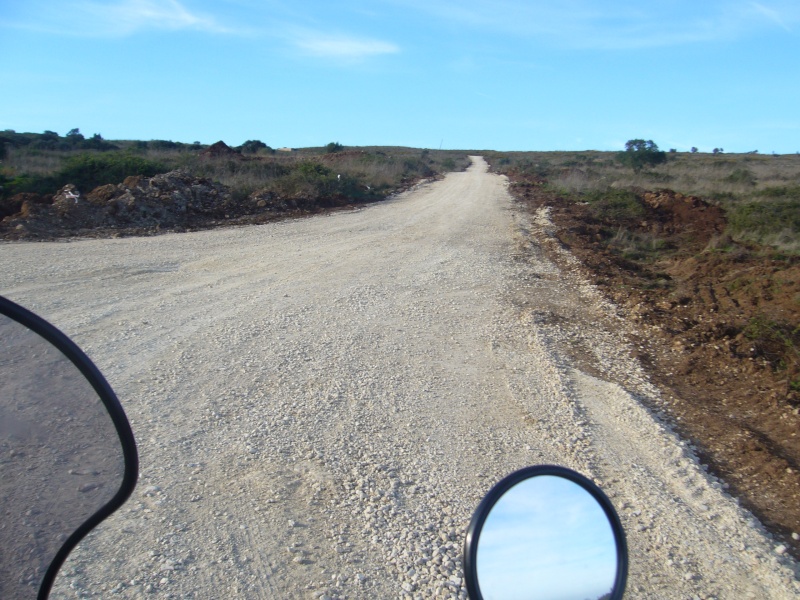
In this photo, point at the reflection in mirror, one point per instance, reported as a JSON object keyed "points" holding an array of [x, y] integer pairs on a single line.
{"points": [[546, 538]]}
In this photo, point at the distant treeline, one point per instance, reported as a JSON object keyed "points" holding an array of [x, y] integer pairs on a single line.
{"points": [[50, 140], [75, 140]]}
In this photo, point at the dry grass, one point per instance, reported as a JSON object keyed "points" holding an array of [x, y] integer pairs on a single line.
{"points": [[35, 162], [760, 193], [357, 173]]}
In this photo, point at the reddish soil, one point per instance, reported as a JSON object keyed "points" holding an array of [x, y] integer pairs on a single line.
{"points": [[720, 335]]}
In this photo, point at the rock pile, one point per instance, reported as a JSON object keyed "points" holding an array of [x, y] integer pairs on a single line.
{"points": [[166, 200]]}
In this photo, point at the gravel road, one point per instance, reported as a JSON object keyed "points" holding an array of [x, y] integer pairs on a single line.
{"points": [[321, 403]]}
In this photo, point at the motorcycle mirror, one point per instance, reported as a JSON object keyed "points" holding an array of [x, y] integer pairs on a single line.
{"points": [[67, 454], [549, 533]]}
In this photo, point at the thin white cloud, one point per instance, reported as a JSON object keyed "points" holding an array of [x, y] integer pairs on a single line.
{"points": [[618, 24], [129, 16], [340, 46], [773, 15], [93, 18]]}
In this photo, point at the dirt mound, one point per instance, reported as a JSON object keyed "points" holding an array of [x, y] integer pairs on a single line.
{"points": [[672, 213], [221, 150], [15, 203]]}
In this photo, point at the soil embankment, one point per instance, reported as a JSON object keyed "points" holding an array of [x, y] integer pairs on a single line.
{"points": [[715, 323]]}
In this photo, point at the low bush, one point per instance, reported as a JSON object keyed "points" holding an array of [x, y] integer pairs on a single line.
{"points": [[761, 219], [87, 171], [253, 146], [778, 343], [616, 204], [789, 192], [742, 176]]}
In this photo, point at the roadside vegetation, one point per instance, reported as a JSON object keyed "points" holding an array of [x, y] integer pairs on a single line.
{"points": [[701, 251], [44, 163], [740, 208], [759, 193]]}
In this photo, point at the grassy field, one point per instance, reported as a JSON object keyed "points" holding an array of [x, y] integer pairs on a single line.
{"points": [[42, 163], [759, 193]]}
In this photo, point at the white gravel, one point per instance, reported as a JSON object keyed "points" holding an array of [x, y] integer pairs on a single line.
{"points": [[320, 404]]}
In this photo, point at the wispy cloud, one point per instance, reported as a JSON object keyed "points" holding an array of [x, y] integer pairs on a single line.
{"points": [[92, 18], [272, 24], [774, 15], [129, 16], [617, 24], [339, 46]]}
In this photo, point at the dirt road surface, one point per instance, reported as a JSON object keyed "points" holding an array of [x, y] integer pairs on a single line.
{"points": [[320, 404]]}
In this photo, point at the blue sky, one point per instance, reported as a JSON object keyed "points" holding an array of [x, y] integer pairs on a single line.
{"points": [[466, 74]]}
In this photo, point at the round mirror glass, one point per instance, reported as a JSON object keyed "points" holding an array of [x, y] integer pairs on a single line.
{"points": [[547, 537]]}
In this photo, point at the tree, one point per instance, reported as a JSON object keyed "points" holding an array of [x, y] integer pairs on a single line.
{"points": [[334, 147], [694, 150], [641, 153], [96, 142], [252, 146], [47, 141], [75, 136]]}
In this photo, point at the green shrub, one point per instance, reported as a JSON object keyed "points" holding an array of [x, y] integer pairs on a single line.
{"points": [[164, 145], [777, 342], [96, 142], [759, 219], [313, 170], [656, 177], [616, 204], [539, 169], [742, 176], [639, 154], [308, 180], [789, 192], [10, 185], [721, 197], [87, 171], [253, 146], [414, 166]]}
